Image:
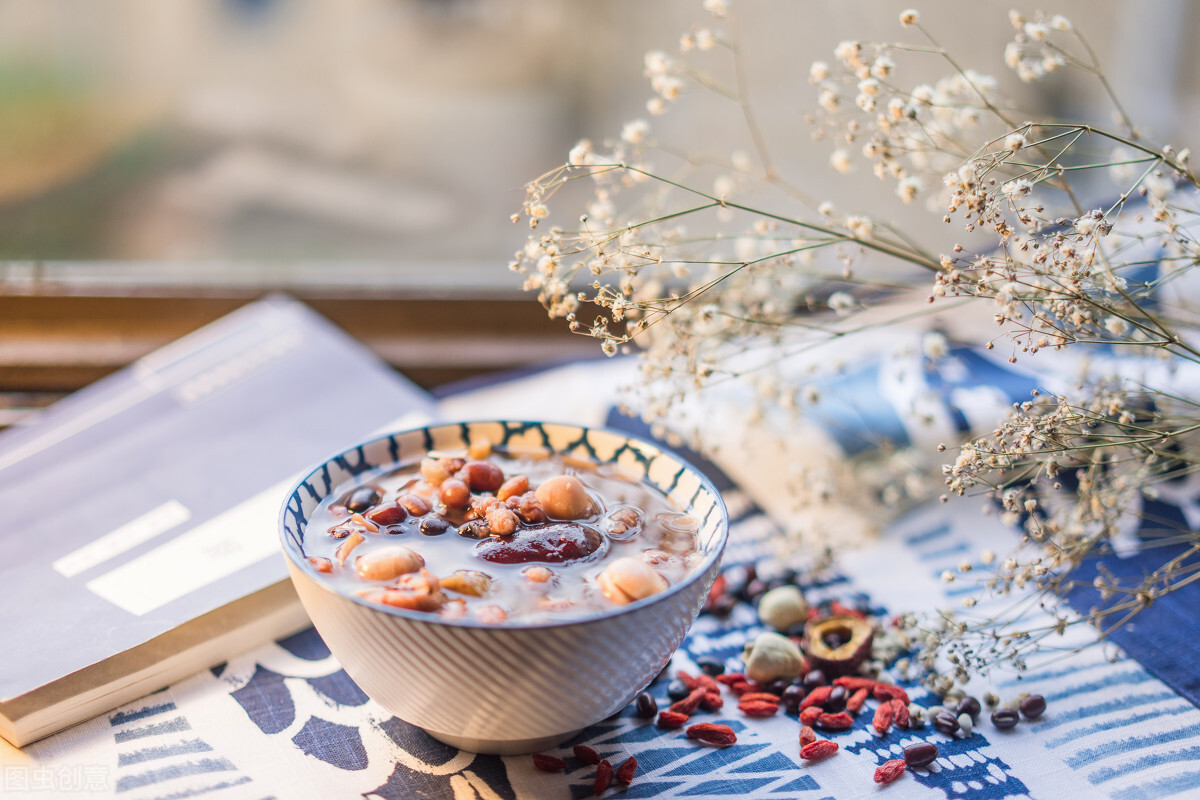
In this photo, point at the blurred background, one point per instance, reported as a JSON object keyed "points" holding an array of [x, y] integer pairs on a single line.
{"points": [[161, 163]]}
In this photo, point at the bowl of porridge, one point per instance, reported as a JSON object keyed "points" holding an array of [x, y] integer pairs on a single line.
{"points": [[503, 584]]}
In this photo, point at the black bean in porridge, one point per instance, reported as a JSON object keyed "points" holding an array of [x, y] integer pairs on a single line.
{"points": [[501, 537]]}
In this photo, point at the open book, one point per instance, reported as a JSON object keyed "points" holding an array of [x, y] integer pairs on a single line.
{"points": [[139, 514]]}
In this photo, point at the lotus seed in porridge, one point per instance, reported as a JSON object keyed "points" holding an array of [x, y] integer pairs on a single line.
{"points": [[500, 536]]}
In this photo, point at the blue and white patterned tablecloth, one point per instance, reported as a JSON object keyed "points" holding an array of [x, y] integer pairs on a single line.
{"points": [[285, 721]]}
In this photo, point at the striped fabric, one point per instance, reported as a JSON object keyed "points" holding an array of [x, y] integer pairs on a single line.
{"points": [[285, 721]]}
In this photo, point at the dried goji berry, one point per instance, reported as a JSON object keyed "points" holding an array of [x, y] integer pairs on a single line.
{"points": [[670, 720], [586, 754], [743, 686], [886, 691], [766, 697], [711, 702], [717, 589], [835, 722], [628, 767], [854, 682], [900, 710], [883, 718], [889, 771], [809, 715], [758, 708], [855, 703], [604, 776], [817, 697], [712, 733], [730, 678], [548, 763], [821, 748], [688, 679], [807, 735], [689, 704]]}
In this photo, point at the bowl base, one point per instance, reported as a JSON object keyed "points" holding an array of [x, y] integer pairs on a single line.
{"points": [[503, 747]]}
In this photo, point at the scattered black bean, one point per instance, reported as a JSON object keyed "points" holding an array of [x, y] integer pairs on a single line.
{"points": [[362, 498], [722, 605], [647, 708], [946, 722], [969, 705], [1033, 706], [791, 697], [837, 699], [777, 687], [710, 666], [677, 690], [754, 590], [813, 679], [1005, 718], [433, 526], [921, 754]]}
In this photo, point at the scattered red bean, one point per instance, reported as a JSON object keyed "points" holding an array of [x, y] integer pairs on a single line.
{"points": [[548, 763], [791, 697], [1005, 718], [712, 733], [586, 754], [821, 748], [1033, 706], [946, 722], [970, 706], [647, 706], [889, 771], [920, 754]]}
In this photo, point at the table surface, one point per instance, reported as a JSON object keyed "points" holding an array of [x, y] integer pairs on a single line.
{"points": [[284, 720]]}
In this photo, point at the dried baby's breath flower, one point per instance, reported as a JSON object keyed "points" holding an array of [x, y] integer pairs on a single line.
{"points": [[722, 270]]}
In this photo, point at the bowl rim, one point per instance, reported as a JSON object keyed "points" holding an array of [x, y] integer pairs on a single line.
{"points": [[711, 560]]}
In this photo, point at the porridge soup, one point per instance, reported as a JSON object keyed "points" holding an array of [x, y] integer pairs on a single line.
{"points": [[498, 536]]}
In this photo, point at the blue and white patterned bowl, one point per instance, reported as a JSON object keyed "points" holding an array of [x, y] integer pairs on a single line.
{"points": [[512, 688]]}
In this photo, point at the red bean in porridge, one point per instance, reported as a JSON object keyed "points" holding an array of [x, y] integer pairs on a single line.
{"points": [[500, 536]]}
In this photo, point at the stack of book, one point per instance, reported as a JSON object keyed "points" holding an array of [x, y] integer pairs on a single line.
{"points": [[139, 530]]}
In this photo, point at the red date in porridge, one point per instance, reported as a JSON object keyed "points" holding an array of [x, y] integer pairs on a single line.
{"points": [[499, 536]]}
